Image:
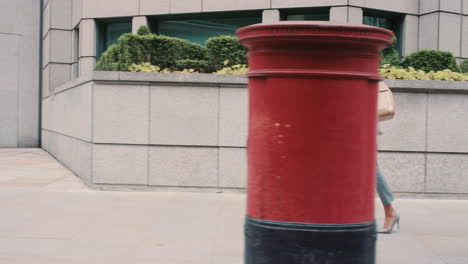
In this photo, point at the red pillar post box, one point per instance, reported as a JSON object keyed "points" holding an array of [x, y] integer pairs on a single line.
{"points": [[312, 142]]}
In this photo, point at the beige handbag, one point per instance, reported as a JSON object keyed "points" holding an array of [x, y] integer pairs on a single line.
{"points": [[385, 103]]}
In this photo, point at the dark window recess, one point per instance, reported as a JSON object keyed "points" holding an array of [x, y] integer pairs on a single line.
{"points": [[306, 14], [110, 32], [390, 21], [201, 27]]}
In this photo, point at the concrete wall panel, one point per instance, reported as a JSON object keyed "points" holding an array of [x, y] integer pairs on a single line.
{"points": [[86, 66], [45, 20], [46, 50], [77, 110], [59, 74], [339, 14], [233, 117], [60, 46], [449, 36], [181, 166], [9, 12], [184, 115], [404, 172], [407, 131], [186, 6], [355, 15], [60, 14], [270, 16], [464, 48], [151, 7], [447, 173], [427, 6], [429, 31], [110, 8], [451, 6], [227, 5], [28, 93], [45, 139], [120, 164], [45, 82], [87, 37], [121, 114], [410, 34], [232, 168], [306, 3], [9, 84], [447, 123], [77, 12], [402, 6]]}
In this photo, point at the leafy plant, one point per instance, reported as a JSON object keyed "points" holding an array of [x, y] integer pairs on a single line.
{"points": [[160, 51], [391, 72], [431, 60], [234, 69], [390, 55], [225, 48], [144, 67], [196, 65], [464, 66], [143, 30]]}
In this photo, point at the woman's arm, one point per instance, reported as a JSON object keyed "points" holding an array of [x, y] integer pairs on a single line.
{"points": [[386, 103]]}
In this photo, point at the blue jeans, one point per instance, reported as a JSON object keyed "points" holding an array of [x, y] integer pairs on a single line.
{"points": [[384, 191]]}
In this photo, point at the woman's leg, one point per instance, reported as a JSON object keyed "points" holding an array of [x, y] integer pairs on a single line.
{"points": [[384, 191], [386, 196]]}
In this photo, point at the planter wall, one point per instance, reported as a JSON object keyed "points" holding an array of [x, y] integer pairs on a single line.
{"points": [[164, 131]]}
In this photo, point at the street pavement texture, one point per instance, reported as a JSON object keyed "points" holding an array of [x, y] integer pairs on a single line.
{"points": [[48, 216]]}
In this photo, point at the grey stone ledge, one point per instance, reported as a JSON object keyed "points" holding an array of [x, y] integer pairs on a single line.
{"points": [[240, 81], [187, 78], [69, 85], [423, 86]]}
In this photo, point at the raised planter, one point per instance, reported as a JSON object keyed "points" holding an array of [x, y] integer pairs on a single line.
{"points": [[163, 131]]}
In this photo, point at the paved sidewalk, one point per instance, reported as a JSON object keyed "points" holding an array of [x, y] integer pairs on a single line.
{"points": [[48, 216]]}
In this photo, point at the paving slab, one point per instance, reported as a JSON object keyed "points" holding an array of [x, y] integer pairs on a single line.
{"points": [[48, 216]]}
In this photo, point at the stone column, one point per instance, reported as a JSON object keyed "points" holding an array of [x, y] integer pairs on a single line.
{"points": [[344, 14], [137, 22], [271, 16], [87, 53]]}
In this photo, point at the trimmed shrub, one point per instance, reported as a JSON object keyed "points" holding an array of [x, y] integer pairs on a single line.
{"points": [[235, 69], [144, 67], [143, 30], [464, 66], [390, 55], [159, 51], [192, 51], [196, 65], [130, 49], [431, 60], [390, 72], [225, 49], [109, 60]]}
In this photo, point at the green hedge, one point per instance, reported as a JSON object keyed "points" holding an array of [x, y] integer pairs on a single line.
{"points": [[160, 51], [390, 55], [197, 65], [464, 66], [174, 54], [431, 60], [143, 30], [225, 51]]}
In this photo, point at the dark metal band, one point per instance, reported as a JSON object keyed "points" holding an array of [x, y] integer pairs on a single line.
{"points": [[271, 242]]}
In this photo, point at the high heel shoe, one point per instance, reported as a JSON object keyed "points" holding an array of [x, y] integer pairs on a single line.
{"points": [[396, 221]]}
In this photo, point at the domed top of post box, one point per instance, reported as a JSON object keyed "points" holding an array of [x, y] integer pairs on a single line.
{"points": [[309, 48], [317, 32]]}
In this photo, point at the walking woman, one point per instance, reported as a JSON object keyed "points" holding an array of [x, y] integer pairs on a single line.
{"points": [[386, 111]]}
